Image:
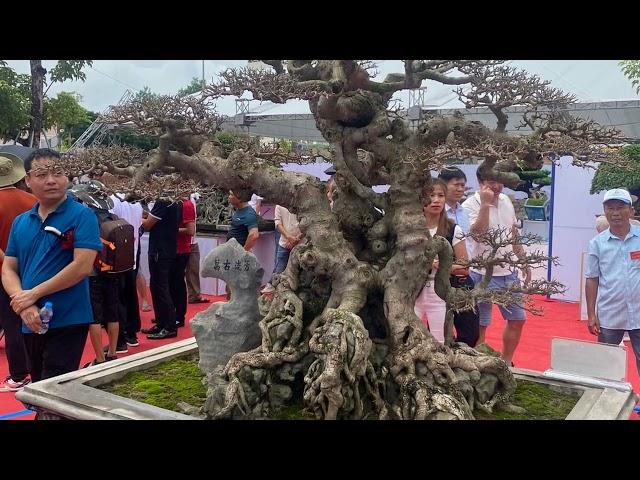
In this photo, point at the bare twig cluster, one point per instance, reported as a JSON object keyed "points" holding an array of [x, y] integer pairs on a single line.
{"points": [[149, 114], [265, 86]]}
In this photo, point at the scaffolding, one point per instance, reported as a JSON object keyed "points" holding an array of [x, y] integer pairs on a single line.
{"points": [[98, 130]]}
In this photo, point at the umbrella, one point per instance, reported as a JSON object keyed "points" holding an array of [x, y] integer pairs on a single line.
{"points": [[18, 150]]}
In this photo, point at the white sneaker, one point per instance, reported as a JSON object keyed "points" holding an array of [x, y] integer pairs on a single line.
{"points": [[10, 386]]}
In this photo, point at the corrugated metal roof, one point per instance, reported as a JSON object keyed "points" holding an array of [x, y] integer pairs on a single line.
{"points": [[621, 114]]}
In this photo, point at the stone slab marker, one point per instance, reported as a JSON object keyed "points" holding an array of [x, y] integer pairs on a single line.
{"points": [[227, 328]]}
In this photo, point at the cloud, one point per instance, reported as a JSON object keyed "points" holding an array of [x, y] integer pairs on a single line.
{"points": [[107, 81]]}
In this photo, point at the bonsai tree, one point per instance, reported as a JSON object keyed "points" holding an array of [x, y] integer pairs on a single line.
{"points": [[610, 176], [340, 334], [532, 176]]}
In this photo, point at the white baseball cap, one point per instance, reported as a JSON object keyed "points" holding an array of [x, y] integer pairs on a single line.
{"points": [[618, 194]]}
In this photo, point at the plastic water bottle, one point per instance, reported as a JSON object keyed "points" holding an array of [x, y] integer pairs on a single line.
{"points": [[46, 313]]}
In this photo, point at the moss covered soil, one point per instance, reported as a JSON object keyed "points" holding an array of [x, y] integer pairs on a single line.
{"points": [[180, 380], [164, 385]]}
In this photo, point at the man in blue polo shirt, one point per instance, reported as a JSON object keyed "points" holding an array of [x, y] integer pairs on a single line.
{"points": [[50, 253], [613, 275]]}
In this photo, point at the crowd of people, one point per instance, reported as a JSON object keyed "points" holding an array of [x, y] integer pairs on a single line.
{"points": [[487, 209], [56, 246], [78, 248]]}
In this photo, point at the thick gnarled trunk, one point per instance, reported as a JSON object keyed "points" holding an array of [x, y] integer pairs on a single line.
{"points": [[340, 333]]}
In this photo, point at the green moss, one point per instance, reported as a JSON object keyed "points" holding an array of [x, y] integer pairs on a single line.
{"points": [[294, 412], [539, 401], [178, 380], [486, 349], [535, 202]]}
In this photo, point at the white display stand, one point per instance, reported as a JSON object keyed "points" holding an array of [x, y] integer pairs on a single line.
{"points": [[574, 210], [597, 364]]}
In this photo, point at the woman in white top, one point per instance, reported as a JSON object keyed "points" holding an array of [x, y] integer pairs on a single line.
{"points": [[429, 307]]}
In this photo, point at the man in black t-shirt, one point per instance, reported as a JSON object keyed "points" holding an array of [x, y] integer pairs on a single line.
{"points": [[162, 225], [244, 223]]}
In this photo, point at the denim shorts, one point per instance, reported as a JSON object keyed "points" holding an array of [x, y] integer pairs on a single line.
{"points": [[513, 312]]}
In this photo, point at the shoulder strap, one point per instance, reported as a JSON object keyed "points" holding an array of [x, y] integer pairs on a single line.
{"points": [[104, 215], [450, 232]]}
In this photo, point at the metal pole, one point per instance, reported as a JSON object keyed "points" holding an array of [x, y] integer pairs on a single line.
{"points": [[550, 236], [203, 82]]}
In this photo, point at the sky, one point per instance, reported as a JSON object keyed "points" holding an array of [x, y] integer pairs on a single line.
{"points": [[107, 81]]}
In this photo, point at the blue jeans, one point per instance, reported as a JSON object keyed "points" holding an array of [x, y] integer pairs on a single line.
{"points": [[614, 337], [282, 258], [510, 313]]}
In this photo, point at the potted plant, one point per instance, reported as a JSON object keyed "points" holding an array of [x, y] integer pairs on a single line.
{"points": [[537, 207]]}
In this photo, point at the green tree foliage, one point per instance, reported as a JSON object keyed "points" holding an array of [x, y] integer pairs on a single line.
{"points": [[144, 142], [194, 87], [79, 128], [69, 70], [631, 69], [16, 96], [15, 102], [144, 94], [285, 145], [225, 137], [64, 110], [609, 176]]}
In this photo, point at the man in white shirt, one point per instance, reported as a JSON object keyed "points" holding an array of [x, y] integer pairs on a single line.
{"points": [[290, 235], [456, 182], [132, 213], [256, 203], [491, 209]]}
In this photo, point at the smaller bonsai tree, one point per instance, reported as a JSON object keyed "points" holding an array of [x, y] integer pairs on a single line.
{"points": [[610, 176]]}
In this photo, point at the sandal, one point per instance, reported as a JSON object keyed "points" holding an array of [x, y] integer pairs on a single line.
{"points": [[107, 358], [94, 362]]}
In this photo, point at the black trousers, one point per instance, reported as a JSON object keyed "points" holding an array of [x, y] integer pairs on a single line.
{"points": [[103, 290], [129, 304], [56, 352], [13, 338], [178, 285], [159, 268], [467, 323]]}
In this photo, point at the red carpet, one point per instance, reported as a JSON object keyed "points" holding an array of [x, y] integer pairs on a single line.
{"points": [[8, 402], [560, 319]]}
